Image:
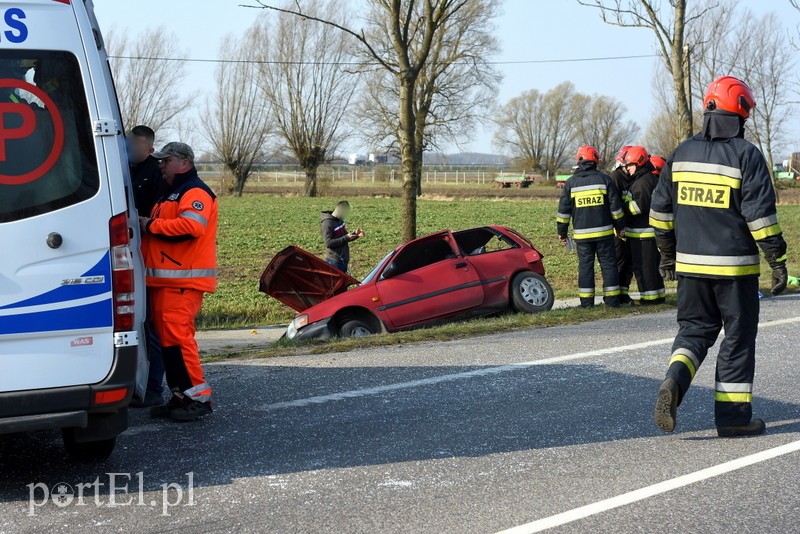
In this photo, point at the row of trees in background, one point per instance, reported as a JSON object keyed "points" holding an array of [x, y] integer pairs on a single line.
{"points": [[417, 74], [543, 130]]}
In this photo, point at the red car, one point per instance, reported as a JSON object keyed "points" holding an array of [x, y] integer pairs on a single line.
{"points": [[441, 276]]}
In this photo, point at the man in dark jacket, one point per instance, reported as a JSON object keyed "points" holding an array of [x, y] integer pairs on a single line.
{"points": [[641, 237], [591, 202], [336, 237], [148, 184], [714, 207], [622, 181]]}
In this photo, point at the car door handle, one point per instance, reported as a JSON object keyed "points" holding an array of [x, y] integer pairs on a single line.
{"points": [[461, 265]]}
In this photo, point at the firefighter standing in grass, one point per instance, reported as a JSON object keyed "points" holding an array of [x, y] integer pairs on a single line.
{"points": [[179, 246], [713, 208], [641, 237], [592, 203], [622, 181]]}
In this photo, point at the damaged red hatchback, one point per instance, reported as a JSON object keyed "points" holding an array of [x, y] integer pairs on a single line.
{"points": [[442, 276]]}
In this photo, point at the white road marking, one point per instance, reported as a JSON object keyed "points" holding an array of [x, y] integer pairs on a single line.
{"points": [[364, 392], [651, 491]]}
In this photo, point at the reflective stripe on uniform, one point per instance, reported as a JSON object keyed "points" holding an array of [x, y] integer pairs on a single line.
{"points": [[687, 358], [717, 265], [612, 291], [195, 217], [634, 208], [588, 189], [706, 173], [640, 233], [662, 220], [563, 218], [181, 273], [654, 295], [589, 233], [764, 227], [624, 290], [200, 392], [733, 392], [585, 292], [617, 215]]}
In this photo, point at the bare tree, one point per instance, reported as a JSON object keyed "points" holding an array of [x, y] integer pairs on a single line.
{"points": [[664, 133], [413, 27], [455, 89], [148, 87], [539, 128], [237, 119], [303, 77], [669, 27], [602, 124]]}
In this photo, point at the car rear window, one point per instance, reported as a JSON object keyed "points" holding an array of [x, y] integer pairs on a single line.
{"points": [[47, 154]]}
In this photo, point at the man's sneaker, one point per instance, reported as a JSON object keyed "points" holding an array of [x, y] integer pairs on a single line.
{"points": [[151, 398], [754, 428], [191, 410], [159, 412], [667, 405]]}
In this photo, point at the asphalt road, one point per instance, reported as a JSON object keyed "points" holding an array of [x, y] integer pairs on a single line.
{"points": [[537, 429]]}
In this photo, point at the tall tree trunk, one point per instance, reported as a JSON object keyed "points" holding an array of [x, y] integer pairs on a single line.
{"points": [[310, 188], [679, 67], [408, 157], [240, 179]]}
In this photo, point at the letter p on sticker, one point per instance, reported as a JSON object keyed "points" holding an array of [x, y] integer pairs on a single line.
{"points": [[24, 116]]}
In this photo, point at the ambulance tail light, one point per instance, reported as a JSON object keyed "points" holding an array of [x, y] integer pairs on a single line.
{"points": [[122, 273]]}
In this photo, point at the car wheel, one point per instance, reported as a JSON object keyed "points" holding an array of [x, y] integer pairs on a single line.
{"points": [[531, 293], [355, 328], [88, 450]]}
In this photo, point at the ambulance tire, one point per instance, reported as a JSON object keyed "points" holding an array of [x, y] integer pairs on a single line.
{"points": [[531, 293], [88, 450]]}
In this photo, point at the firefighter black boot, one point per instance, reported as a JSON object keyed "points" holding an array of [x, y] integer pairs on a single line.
{"points": [[754, 428], [666, 411]]}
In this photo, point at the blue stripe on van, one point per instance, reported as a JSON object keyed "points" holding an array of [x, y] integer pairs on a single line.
{"points": [[67, 293], [95, 315]]}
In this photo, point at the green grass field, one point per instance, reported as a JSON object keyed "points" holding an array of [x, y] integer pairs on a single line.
{"points": [[253, 228]]}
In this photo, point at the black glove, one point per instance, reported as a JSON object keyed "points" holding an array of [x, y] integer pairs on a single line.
{"points": [[780, 275], [667, 268]]}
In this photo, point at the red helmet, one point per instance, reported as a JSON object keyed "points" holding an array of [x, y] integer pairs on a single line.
{"points": [[729, 94], [621, 154], [637, 155], [658, 162], [588, 153]]}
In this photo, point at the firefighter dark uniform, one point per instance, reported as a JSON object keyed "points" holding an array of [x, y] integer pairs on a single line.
{"points": [[622, 181], [592, 203], [712, 210], [180, 254], [645, 258]]}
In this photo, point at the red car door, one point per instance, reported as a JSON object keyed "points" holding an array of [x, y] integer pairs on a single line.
{"points": [[426, 280]]}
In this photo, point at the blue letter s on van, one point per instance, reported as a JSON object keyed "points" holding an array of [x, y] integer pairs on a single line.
{"points": [[18, 31]]}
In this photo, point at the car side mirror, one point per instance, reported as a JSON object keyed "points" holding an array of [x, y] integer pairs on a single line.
{"points": [[389, 271]]}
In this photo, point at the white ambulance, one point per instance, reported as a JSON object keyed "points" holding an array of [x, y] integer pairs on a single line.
{"points": [[71, 277]]}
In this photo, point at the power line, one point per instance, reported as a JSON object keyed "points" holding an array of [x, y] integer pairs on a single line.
{"points": [[354, 63]]}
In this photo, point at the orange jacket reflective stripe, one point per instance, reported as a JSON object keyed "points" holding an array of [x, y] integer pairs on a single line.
{"points": [[180, 245]]}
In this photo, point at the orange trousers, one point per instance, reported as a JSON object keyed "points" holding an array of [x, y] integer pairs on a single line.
{"points": [[174, 311]]}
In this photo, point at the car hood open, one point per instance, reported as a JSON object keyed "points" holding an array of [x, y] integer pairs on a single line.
{"points": [[300, 280]]}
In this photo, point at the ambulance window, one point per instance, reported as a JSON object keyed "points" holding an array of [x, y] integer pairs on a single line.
{"points": [[47, 155]]}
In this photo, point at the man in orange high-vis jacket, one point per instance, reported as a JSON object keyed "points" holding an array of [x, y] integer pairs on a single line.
{"points": [[180, 248]]}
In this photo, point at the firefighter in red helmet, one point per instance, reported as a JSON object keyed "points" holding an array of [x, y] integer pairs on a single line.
{"points": [[641, 237], [658, 163], [713, 209], [622, 181], [591, 202]]}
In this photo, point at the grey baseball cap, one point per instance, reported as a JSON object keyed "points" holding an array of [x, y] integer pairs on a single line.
{"points": [[178, 150]]}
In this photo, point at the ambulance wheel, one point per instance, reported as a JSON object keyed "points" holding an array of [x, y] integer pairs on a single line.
{"points": [[531, 293], [87, 450], [355, 328]]}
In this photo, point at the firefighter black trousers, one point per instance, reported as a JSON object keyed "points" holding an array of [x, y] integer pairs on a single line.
{"points": [[624, 267], [704, 307], [603, 250], [645, 260]]}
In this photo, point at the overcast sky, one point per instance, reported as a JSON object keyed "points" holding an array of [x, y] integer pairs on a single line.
{"points": [[528, 30]]}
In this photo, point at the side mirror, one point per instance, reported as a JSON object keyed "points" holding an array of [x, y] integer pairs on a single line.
{"points": [[389, 271]]}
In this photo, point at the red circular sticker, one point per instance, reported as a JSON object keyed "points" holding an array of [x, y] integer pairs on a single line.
{"points": [[28, 127]]}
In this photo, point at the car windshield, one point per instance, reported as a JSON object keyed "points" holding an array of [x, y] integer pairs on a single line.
{"points": [[377, 268]]}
